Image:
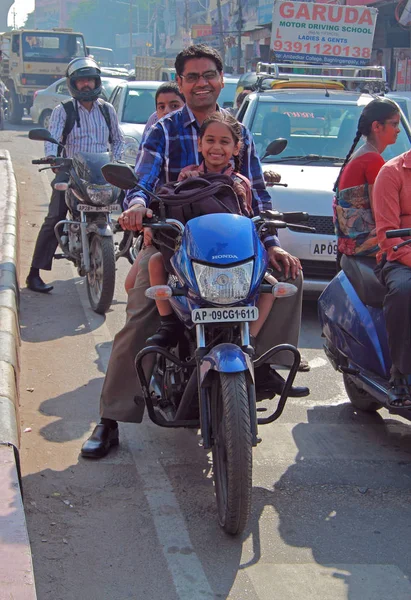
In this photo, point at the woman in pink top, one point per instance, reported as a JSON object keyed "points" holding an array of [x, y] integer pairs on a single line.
{"points": [[392, 209]]}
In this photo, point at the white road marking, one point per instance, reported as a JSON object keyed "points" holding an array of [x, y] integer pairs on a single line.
{"points": [[318, 362]]}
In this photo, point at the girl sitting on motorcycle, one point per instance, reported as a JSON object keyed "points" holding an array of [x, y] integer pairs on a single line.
{"points": [[219, 142], [353, 207]]}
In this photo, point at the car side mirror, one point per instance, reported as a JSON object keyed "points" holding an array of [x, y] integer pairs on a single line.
{"points": [[275, 147]]}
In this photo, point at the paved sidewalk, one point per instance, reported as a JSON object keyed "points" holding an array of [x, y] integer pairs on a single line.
{"points": [[16, 569]]}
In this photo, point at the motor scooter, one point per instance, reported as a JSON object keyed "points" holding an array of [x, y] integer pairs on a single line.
{"points": [[353, 326]]}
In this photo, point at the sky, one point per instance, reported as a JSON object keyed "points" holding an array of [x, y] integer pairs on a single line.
{"points": [[23, 7]]}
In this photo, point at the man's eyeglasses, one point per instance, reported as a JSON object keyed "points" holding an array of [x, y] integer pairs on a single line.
{"points": [[195, 77]]}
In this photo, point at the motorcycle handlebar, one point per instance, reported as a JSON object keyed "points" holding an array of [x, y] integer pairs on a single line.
{"points": [[395, 233], [287, 217], [56, 161], [42, 161]]}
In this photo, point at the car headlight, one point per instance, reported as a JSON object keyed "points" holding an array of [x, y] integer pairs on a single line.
{"points": [[224, 285], [131, 147], [101, 195]]}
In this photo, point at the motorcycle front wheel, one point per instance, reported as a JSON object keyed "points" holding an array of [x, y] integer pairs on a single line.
{"points": [[232, 450], [102, 276]]}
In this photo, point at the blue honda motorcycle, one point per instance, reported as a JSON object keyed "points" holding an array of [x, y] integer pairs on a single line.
{"points": [[353, 325], [207, 381]]}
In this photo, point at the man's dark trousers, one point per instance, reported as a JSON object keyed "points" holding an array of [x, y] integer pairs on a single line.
{"points": [[46, 243]]}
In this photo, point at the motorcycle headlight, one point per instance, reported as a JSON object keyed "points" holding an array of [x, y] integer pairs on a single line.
{"points": [[224, 285], [101, 195]]}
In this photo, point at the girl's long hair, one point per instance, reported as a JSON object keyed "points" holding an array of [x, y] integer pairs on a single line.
{"points": [[379, 110], [231, 123]]}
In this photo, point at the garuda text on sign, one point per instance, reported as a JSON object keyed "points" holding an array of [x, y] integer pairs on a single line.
{"points": [[323, 33]]}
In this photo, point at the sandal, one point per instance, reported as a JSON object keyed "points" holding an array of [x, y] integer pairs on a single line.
{"points": [[399, 394]]}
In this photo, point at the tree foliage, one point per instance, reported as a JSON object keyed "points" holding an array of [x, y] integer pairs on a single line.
{"points": [[30, 21]]}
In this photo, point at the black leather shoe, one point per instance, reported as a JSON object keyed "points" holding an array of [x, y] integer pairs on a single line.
{"points": [[36, 284], [271, 382], [167, 335], [100, 442]]}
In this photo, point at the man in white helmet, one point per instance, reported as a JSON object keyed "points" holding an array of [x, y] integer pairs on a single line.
{"points": [[85, 123]]}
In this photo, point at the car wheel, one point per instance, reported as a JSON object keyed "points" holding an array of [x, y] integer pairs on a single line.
{"points": [[45, 118]]}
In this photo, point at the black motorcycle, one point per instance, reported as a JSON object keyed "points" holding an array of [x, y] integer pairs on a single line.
{"points": [[86, 238]]}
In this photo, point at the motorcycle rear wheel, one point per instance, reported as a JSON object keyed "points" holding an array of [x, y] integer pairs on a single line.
{"points": [[358, 397], [232, 451], [102, 276]]}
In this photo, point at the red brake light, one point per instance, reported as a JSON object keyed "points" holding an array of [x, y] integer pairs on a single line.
{"points": [[35, 94]]}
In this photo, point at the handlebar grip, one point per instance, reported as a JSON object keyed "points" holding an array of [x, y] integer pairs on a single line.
{"points": [[395, 233], [296, 217], [41, 161], [149, 222]]}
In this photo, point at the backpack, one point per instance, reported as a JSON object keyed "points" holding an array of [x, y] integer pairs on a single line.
{"points": [[72, 117], [193, 197]]}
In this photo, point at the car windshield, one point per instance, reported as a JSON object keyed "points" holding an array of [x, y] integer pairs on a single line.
{"points": [[312, 129], [52, 47], [138, 106]]}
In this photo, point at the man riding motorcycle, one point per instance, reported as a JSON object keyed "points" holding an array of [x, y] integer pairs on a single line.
{"points": [[84, 124], [171, 145]]}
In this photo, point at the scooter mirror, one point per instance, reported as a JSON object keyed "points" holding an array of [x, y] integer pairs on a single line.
{"points": [[120, 175], [275, 147], [42, 135]]}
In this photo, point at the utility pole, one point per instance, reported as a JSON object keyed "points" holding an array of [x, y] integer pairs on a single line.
{"points": [[220, 30], [240, 27], [186, 19], [130, 54]]}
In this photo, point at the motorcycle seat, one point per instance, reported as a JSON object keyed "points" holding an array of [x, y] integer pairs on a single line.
{"points": [[360, 272]]}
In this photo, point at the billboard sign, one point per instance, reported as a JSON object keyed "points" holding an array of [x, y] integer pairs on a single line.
{"points": [[322, 33]]}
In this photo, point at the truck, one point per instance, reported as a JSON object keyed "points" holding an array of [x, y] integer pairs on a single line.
{"points": [[151, 68], [31, 59]]}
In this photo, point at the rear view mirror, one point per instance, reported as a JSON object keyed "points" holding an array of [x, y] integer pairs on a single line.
{"points": [[41, 135], [120, 175], [275, 147]]}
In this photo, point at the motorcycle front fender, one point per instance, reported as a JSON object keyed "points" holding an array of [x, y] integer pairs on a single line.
{"points": [[104, 230], [225, 358]]}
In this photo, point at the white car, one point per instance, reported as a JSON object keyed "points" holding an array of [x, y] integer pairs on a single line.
{"points": [[227, 94], [45, 100], [134, 102], [320, 126]]}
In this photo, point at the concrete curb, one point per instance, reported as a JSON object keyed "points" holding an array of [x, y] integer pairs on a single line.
{"points": [[16, 567], [9, 298]]}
